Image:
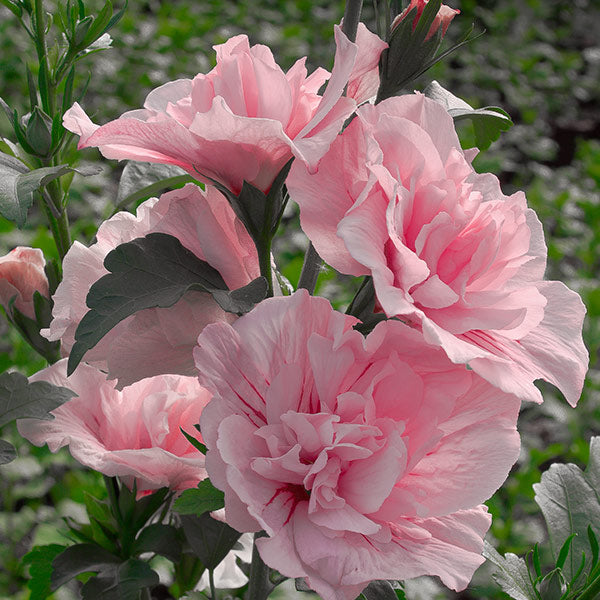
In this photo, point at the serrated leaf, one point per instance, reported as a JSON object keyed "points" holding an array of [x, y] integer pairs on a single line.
{"points": [[511, 574], [81, 558], [8, 453], [39, 559], [159, 538], [153, 271], [211, 540], [20, 399], [17, 187], [379, 590], [122, 582], [205, 498], [142, 180], [488, 122], [570, 502]]}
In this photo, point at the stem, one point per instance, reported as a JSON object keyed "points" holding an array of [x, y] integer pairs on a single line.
{"points": [[146, 594], [259, 586], [312, 261], [264, 261], [591, 592], [211, 582], [47, 95]]}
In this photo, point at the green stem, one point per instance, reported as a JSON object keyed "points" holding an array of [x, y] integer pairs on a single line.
{"points": [[47, 94], [264, 262], [211, 582], [259, 586], [352, 18]]}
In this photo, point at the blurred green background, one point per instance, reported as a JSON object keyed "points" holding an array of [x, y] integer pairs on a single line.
{"points": [[539, 60]]}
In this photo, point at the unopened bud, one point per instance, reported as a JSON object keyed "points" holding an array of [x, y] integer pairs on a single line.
{"points": [[442, 19]]}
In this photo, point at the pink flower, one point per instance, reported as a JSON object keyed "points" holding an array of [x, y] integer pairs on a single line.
{"points": [[156, 340], [21, 275], [241, 122], [133, 434], [364, 79], [397, 198], [442, 19], [362, 459]]}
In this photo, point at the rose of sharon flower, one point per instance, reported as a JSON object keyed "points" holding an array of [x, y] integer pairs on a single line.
{"points": [[134, 433], [397, 198], [241, 122], [21, 275], [362, 459], [442, 19], [156, 340]]}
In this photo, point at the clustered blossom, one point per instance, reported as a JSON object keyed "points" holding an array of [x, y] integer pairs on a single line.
{"points": [[21, 275], [397, 198], [134, 433], [156, 340], [361, 458]]}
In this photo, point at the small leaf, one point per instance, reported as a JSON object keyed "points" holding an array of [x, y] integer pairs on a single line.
{"points": [[15, 9], [120, 583], [564, 551], [537, 565], [211, 540], [194, 441], [593, 544], [511, 574], [8, 452], [39, 559], [20, 399], [488, 122], [81, 558], [205, 498], [553, 586], [142, 180], [159, 538], [379, 590]]}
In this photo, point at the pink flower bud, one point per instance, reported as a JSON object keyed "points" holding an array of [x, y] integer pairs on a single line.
{"points": [[21, 275], [443, 18]]}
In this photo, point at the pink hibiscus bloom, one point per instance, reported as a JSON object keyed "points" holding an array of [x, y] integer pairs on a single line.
{"points": [[241, 122], [156, 340], [133, 433], [397, 198], [362, 459], [21, 275]]}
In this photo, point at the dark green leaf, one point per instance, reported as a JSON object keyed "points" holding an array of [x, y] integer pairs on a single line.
{"points": [[562, 555], [67, 99], [194, 441], [148, 272], [120, 583], [146, 506], [81, 30], [7, 452], [537, 565], [552, 586], [243, 299], [570, 501], [142, 180], [511, 574], [380, 590], [81, 558], [39, 559], [39, 132], [593, 544], [205, 498], [159, 538], [211, 540], [20, 399], [487, 122], [15, 9]]}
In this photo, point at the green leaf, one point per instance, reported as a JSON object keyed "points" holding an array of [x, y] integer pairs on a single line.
{"points": [[8, 452], [205, 498], [18, 185], [122, 582], [564, 551], [159, 538], [146, 506], [379, 590], [193, 441], [511, 574], [81, 558], [39, 132], [142, 180], [15, 9], [211, 540], [39, 559], [553, 586], [153, 271], [20, 399], [487, 122], [570, 501], [243, 299]]}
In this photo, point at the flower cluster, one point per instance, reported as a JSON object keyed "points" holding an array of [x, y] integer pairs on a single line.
{"points": [[361, 456]]}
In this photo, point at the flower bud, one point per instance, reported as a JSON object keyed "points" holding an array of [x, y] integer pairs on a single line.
{"points": [[21, 275], [442, 19]]}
